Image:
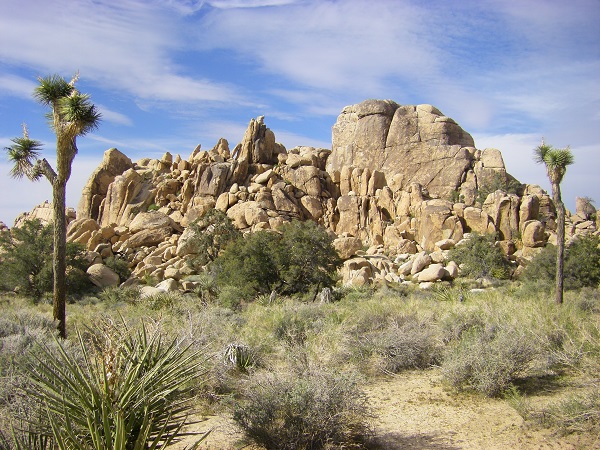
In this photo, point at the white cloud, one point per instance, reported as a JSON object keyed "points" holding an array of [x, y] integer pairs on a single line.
{"points": [[227, 4], [328, 45], [114, 116], [15, 85], [126, 46]]}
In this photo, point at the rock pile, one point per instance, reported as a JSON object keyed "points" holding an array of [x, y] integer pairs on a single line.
{"points": [[401, 186]]}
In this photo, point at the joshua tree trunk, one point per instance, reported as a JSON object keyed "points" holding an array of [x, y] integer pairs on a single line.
{"points": [[560, 241], [59, 258], [72, 115]]}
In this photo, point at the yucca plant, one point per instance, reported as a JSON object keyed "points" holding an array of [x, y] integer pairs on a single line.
{"points": [[129, 391]]}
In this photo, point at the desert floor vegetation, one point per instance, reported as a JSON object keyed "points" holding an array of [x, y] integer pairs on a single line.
{"points": [[293, 373]]}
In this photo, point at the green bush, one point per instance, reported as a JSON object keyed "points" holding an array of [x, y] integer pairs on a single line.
{"points": [[312, 410], [307, 258], [479, 257], [296, 260], [115, 295], [581, 266], [26, 261], [128, 390], [251, 262], [212, 233]]}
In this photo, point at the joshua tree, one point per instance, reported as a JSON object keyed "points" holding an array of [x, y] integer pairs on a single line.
{"points": [[556, 161], [71, 114]]}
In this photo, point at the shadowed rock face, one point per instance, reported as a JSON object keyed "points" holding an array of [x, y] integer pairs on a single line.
{"points": [[414, 143]]}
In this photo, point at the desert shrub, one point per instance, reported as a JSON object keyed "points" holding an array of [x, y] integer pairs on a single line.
{"points": [[115, 295], [588, 300], [450, 294], [307, 258], [231, 296], [21, 327], [128, 390], [299, 259], [240, 356], [395, 344], [251, 262], [160, 300], [487, 360], [205, 286], [581, 266], [454, 323], [353, 293], [408, 344], [26, 262], [212, 233], [310, 410], [291, 329], [479, 257]]}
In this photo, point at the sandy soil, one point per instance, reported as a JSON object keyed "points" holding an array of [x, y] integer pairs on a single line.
{"points": [[414, 411]]}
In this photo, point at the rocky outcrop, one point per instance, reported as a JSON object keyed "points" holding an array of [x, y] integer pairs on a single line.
{"points": [[406, 183], [412, 143], [113, 163], [44, 213]]}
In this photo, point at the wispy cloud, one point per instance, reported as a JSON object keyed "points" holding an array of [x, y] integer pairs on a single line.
{"points": [[114, 116], [16, 86], [126, 46], [326, 45]]}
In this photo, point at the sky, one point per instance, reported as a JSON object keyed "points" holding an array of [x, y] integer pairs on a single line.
{"points": [[169, 75]]}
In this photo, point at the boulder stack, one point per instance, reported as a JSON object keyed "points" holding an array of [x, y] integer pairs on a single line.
{"points": [[401, 186]]}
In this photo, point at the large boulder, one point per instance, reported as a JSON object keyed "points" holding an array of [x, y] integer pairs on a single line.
{"points": [[102, 276], [94, 192], [126, 196], [258, 146], [416, 143], [81, 230], [347, 246], [503, 209], [148, 238], [584, 208], [534, 234], [247, 214], [149, 221]]}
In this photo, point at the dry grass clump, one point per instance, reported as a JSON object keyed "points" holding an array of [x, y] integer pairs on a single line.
{"points": [[488, 360], [313, 409], [395, 343], [578, 413]]}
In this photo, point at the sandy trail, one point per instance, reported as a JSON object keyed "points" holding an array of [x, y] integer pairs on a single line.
{"points": [[414, 411]]}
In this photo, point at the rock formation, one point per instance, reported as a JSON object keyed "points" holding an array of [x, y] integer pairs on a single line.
{"points": [[408, 143], [400, 187]]}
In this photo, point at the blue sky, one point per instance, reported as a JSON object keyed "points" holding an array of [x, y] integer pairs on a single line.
{"points": [[168, 75]]}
